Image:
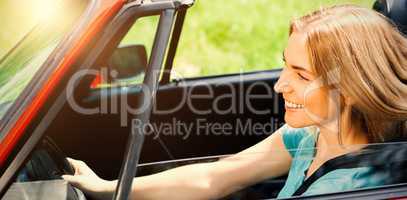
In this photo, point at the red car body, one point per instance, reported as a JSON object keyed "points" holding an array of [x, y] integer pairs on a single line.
{"points": [[103, 13]]}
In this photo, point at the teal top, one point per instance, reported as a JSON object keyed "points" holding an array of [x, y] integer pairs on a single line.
{"points": [[300, 142]]}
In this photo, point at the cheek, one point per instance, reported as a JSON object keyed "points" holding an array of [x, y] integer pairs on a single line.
{"points": [[298, 119], [321, 105]]}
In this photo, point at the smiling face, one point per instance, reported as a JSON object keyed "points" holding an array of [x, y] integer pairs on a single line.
{"points": [[307, 101]]}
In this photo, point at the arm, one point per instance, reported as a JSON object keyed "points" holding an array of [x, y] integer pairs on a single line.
{"points": [[269, 158]]}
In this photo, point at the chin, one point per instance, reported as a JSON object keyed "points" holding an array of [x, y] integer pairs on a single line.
{"points": [[294, 123], [297, 122]]}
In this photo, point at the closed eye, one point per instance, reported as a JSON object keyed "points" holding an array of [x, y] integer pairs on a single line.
{"points": [[302, 77]]}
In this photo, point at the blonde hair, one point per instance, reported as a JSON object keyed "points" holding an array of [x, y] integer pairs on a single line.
{"points": [[366, 56]]}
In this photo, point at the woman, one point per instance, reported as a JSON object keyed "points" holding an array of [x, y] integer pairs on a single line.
{"points": [[344, 86]]}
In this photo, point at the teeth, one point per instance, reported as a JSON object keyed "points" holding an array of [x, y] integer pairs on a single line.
{"points": [[293, 105]]}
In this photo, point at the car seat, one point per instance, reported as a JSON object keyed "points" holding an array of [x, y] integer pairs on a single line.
{"points": [[396, 10]]}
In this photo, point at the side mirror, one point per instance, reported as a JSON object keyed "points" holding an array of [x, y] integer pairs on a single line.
{"points": [[128, 61]]}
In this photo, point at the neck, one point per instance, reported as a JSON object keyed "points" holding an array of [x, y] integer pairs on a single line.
{"points": [[351, 138], [347, 136]]}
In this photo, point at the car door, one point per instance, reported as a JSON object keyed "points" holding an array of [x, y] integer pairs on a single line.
{"points": [[220, 114], [180, 117]]}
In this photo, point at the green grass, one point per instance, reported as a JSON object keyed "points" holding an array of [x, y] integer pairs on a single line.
{"points": [[230, 36]]}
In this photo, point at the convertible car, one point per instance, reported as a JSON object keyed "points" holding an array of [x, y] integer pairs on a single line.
{"points": [[85, 88]]}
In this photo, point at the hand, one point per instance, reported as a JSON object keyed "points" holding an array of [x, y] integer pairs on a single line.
{"points": [[87, 181]]}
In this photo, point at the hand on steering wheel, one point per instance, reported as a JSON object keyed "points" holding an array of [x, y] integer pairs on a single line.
{"points": [[87, 181]]}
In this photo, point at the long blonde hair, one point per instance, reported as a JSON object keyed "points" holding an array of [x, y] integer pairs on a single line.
{"points": [[371, 55]]}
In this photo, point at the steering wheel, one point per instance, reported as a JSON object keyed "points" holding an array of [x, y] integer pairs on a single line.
{"points": [[49, 163]]}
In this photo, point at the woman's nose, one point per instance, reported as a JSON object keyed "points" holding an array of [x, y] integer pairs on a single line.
{"points": [[282, 85]]}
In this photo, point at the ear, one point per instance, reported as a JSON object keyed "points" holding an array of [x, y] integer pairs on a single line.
{"points": [[348, 101]]}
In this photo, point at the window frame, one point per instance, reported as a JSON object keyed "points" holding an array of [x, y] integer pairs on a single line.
{"points": [[382, 192], [17, 158]]}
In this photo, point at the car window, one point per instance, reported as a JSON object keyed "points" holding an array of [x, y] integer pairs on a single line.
{"points": [[365, 167], [370, 166], [236, 36], [375, 166], [27, 44], [129, 60], [10, 11]]}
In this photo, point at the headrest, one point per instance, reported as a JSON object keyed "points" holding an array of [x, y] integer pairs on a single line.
{"points": [[396, 10]]}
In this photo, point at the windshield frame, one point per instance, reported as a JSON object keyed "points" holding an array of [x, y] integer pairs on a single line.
{"points": [[9, 165]]}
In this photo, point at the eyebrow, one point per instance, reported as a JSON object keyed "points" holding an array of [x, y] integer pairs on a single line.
{"points": [[296, 67]]}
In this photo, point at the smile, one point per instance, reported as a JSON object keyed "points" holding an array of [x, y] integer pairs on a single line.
{"points": [[291, 105]]}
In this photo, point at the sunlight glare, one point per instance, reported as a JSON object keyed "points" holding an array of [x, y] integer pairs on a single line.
{"points": [[45, 10]]}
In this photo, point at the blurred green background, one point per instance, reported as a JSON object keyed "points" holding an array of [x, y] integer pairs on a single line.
{"points": [[231, 36], [222, 36], [16, 19]]}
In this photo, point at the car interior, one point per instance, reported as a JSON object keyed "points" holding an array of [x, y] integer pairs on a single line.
{"points": [[101, 139]]}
